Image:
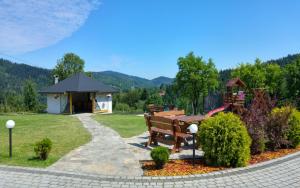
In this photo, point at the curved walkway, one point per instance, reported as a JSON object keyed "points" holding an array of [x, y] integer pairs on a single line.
{"points": [[138, 149], [282, 172], [105, 154]]}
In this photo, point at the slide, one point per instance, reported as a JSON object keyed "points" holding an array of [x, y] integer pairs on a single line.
{"points": [[212, 112]]}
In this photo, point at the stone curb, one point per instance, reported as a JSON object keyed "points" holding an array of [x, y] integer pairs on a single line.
{"points": [[211, 175]]}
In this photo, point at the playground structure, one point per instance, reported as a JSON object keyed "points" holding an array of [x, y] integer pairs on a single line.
{"points": [[234, 98]]}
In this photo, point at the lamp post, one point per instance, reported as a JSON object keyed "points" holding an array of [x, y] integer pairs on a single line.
{"points": [[193, 129], [10, 124]]}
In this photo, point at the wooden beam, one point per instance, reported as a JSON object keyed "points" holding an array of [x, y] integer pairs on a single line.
{"points": [[71, 101], [93, 102]]}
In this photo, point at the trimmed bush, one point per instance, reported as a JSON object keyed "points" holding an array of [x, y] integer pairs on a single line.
{"points": [[225, 140], [43, 148], [294, 128], [160, 155]]}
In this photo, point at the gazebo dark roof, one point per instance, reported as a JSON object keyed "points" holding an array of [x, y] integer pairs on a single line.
{"points": [[79, 83], [235, 82]]}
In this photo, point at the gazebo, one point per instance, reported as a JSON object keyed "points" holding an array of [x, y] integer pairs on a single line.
{"points": [[77, 94]]}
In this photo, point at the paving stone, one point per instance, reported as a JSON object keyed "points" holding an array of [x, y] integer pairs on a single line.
{"points": [[105, 154]]}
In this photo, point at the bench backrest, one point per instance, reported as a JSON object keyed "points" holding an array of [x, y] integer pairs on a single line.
{"points": [[154, 108], [162, 123]]}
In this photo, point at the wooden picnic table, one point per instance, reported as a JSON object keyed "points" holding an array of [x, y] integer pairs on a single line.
{"points": [[175, 125], [184, 122]]}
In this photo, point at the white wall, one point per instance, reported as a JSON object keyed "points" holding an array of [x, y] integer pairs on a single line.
{"points": [[104, 102], [53, 103], [63, 102]]}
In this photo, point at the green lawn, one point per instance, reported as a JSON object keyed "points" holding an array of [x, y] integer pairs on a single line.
{"points": [[126, 125], [66, 133]]}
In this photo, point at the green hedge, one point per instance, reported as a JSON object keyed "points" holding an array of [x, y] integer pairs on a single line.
{"points": [[225, 140]]}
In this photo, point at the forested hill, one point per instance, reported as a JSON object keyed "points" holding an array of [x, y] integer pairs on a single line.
{"points": [[124, 81], [224, 75], [285, 60], [13, 75], [162, 80]]}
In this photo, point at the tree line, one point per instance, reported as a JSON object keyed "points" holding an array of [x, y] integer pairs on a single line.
{"points": [[197, 80]]}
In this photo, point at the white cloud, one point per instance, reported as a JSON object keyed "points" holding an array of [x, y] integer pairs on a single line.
{"points": [[27, 25]]}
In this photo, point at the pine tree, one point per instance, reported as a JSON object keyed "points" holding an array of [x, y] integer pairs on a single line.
{"points": [[30, 95]]}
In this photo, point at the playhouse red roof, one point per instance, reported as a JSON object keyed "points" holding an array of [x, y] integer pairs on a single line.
{"points": [[235, 82]]}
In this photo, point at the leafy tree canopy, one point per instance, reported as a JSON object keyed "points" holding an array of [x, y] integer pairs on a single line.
{"points": [[195, 79], [260, 75], [253, 75], [154, 99], [68, 65], [292, 77]]}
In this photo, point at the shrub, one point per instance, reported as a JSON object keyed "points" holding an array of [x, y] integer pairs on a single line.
{"points": [[256, 119], [283, 129], [43, 148], [224, 140], [293, 133], [122, 107], [160, 155], [41, 108], [277, 128], [140, 106]]}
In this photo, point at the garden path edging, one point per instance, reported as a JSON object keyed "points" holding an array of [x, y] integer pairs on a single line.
{"points": [[223, 173]]}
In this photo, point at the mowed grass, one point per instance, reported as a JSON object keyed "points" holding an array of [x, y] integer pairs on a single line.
{"points": [[66, 133], [127, 125]]}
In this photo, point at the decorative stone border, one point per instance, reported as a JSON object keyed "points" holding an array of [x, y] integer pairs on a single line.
{"points": [[223, 173]]}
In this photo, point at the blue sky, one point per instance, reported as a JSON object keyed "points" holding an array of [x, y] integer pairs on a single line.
{"points": [[146, 37]]}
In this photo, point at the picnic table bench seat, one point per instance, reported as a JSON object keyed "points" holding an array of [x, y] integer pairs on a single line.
{"points": [[160, 126]]}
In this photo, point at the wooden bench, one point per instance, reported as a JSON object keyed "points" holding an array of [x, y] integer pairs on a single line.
{"points": [[159, 127]]}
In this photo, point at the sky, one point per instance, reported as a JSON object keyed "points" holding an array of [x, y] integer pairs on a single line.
{"points": [[146, 37]]}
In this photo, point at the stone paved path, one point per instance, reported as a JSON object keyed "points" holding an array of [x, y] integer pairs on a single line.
{"points": [[106, 154], [137, 146], [283, 172]]}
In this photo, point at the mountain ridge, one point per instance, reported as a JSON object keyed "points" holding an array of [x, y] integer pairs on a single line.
{"points": [[12, 76]]}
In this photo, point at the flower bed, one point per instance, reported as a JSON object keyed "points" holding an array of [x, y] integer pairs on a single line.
{"points": [[184, 167]]}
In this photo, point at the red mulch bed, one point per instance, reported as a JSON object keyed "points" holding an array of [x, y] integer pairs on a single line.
{"points": [[182, 167], [268, 155]]}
